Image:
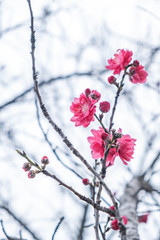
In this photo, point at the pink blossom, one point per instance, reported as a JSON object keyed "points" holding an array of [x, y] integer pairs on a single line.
{"points": [[98, 146], [143, 218], [120, 61], [97, 143], [126, 148], [138, 74], [122, 147], [104, 106], [114, 223], [84, 108]]}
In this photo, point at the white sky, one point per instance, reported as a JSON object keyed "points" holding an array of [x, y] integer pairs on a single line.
{"points": [[55, 55]]}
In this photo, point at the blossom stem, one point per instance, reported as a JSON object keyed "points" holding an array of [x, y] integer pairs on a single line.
{"points": [[23, 154], [100, 123], [120, 87]]}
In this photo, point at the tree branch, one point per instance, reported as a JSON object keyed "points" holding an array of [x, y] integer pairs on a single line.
{"points": [[20, 221]]}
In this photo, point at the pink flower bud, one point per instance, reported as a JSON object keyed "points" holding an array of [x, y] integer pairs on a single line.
{"points": [[26, 166], [143, 218], [111, 79], [104, 106], [85, 181], [112, 208], [31, 174], [136, 63], [45, 160], [114, 223], [95, 95], [87, 91], [104, 136]]}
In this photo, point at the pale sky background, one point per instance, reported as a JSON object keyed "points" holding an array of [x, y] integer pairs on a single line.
{"points": [[80, 37]]}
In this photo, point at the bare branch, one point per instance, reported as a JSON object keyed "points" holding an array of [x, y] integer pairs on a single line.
{"points": [[48, 117], [83, 198], [57, 227], [51, 80], [81, 231], [20, 221], [50, 144], [7, 236]]}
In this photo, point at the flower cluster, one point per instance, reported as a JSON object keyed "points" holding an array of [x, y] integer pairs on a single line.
{"points": [[114, 221], [108, 144], [27, 166], [121, 145], [122, 61]]}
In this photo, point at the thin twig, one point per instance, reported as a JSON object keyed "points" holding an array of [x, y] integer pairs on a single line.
{"points": [[57, 227], [81, 231], [20, 221], [47, 82], [80, 196], [7, 236], [50, 144]]}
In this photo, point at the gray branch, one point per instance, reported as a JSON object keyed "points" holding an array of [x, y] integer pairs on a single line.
{"points": [[129, 202]]}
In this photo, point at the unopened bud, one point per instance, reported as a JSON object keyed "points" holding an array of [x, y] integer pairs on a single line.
{"points": [[31, 174], [143, 218], [104, 136], [104, 106], [95, 95], [45, 160], [101, 116], [118, 135], [87, 91], [136, 63], [112, 208], [85, 181], [26, 166], [112, 79], [132, 71]]}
